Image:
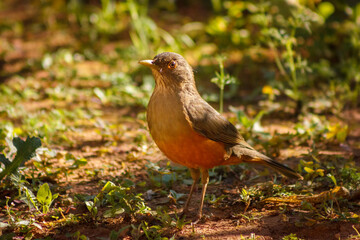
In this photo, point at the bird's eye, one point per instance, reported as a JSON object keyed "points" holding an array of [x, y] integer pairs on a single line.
{"points": [[172, 65]]}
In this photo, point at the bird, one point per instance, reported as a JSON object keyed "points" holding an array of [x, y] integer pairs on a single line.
{"points": [[189, 131]]}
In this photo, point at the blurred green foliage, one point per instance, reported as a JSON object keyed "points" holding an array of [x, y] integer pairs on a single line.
{"points": [[302, 45]]}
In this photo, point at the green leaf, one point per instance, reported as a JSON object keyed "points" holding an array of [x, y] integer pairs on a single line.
{"points": [[326, 9], [333, 179], [55, 196], [44, 195], [308, 170], [89, 205], [108, 187], [114, 211], [25, 151], [320, 172]]}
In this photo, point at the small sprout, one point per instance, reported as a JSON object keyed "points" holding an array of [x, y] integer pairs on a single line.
{"points": [[221, 80], [45, 197]]}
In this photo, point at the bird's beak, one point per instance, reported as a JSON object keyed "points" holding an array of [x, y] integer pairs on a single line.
{"points": [[147, 63]]}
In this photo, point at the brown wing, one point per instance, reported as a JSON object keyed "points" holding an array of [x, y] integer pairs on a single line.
{"points": [[209, 123]]}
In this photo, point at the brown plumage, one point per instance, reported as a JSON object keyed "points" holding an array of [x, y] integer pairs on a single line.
{"points": [[189, 131]]}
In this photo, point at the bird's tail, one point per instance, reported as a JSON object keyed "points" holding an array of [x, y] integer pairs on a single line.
{"points": [[246, 153], [288, 172]]}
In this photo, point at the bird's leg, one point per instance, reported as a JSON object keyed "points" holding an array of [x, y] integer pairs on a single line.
{"points": [[195, 175], [204, 181]]}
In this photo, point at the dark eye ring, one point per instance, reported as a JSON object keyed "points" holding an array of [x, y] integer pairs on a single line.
{"points": [[172, 65]]}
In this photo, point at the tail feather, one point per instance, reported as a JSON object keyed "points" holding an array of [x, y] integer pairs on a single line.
{"points": [[288, 172], [247, 154]]}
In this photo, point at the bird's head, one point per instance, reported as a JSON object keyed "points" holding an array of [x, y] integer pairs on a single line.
{"points": [[170, 69]]}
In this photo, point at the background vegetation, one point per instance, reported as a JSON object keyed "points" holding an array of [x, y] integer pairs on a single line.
{"points": [[77, 160]]}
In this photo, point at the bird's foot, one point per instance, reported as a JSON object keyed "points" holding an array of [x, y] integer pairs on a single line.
{"points": [[200, 218]]}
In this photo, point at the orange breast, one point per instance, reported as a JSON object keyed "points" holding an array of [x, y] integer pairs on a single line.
{"points": [[193, 151], [176, 138]]}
